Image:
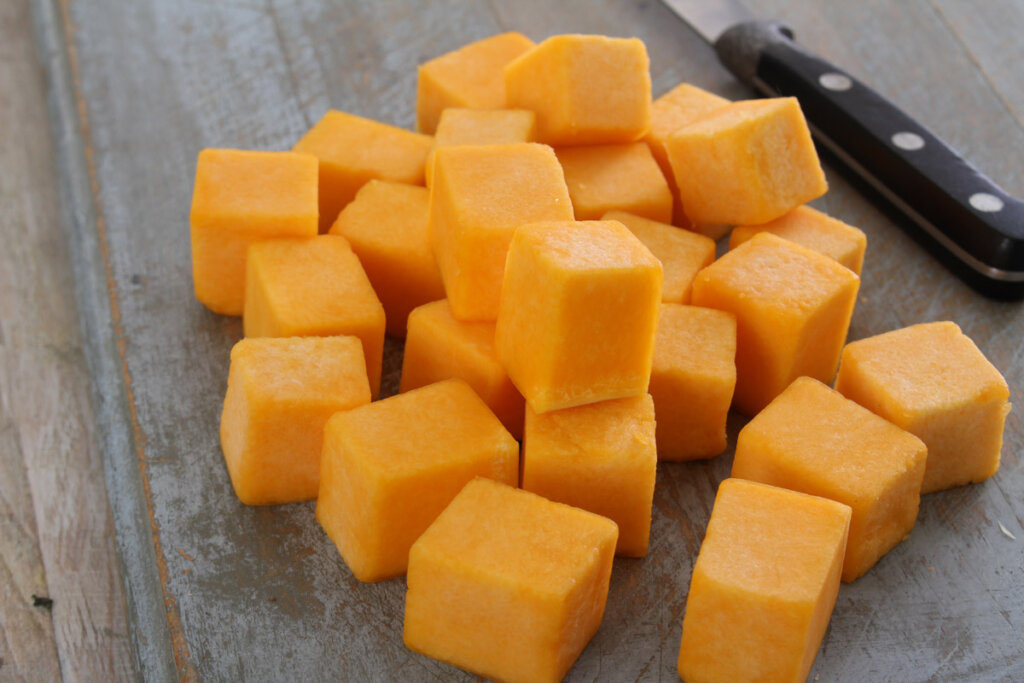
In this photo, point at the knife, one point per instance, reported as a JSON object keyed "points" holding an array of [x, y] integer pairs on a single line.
{"points": [[971, 224]]}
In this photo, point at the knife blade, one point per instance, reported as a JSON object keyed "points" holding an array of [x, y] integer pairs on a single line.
{"points": [[973, 226]]}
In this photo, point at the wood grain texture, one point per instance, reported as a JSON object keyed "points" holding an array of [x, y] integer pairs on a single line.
{"points": [[260, 594], [56, 530]]}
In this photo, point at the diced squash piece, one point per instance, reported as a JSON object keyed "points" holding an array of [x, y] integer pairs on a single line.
{"points": [[746, 163], [679, 107], [586, 90], [470, 77], [811, 439], [764, 585], [793, 308], [314, 287], [280, 395], [386, 226], [389, 468], [353, 150], [479, 196], [599, 457], [601, 178], [682, 253], [439, 347], [508, 585], [579, 308], [693, 377], [814, 230], [933, 381], [241, 197], [481, 127]]}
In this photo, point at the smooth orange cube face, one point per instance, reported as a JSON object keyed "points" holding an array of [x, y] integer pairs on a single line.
{"points": [[934, 382], [479, 196], [693, 377], [439, 347], [793, 308], [313, 288], [470, 77], [508, 585], [389, 468], [481, 127], [680, 106], [764, 585], [586, 90], [386, 226], [746, 163], [682, 253], [815, 230], [811, 439], [241, 197], [626, 177], [354, 150], [599, 457], [579, 308], [280, 395]]}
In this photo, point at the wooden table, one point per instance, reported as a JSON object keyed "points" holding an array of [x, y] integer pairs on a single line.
{"points": [[100, 124]]}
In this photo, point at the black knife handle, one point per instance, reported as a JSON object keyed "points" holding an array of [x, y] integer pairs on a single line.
{"points": [[968, 221]]}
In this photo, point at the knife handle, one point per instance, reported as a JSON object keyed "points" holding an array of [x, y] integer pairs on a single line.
{"points": [[974, 226]]}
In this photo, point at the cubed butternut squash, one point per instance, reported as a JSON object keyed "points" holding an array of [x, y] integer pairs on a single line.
{"points": [[764, 584], [599, 457], [313, 287], [793, 308], [811, 439], [586, 90], [626, 177], [390, 467], [507, 584], [281, 392], [815, 230], [933, 381], [470, 77], [579, 307], [386, 226], [241, 197], [354, 150]]}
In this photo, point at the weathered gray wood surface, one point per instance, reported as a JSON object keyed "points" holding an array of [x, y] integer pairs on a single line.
{"points": [[224, 592], [56, 530]]}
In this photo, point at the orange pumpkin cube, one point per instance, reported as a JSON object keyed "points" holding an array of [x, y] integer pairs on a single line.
{"points": [[792, 306], [746, 163], [353, 150], [280, 395], [693, 377], [439, 347], [815, 230], [579, 307], [934, 382], [241, 197], [479, 196], [389, 468], [508, 585], [313, 288], [470, 77], [586, 90], [811, 439], [763, 586], [599, 457], [386, 226], [682, 253], [601, 178], [679, 107], [481, 127]]}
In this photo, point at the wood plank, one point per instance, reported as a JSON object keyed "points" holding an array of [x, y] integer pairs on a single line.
{"points": [[55, 529], [261, 593]]}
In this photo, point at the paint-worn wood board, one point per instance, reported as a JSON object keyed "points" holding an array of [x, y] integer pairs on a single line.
{"points": [[56, 530], [227, 592]]}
